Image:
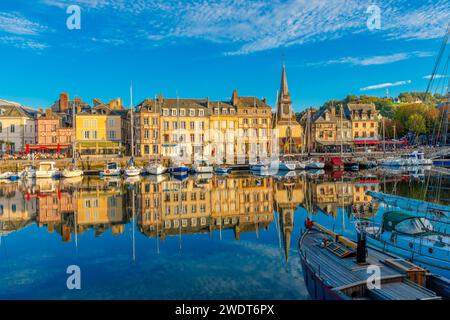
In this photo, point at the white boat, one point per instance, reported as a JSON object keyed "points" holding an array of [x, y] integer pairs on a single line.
{"points": [[416, 158], [72, 171], [47, 169], [261, 169], [222, 170], [288, 165], [314, 165], [299, 165], [6, 175], [112, 169], [132, 171], [202, 166], [156, 169]]}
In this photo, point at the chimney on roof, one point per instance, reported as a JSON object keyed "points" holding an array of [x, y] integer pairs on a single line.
{"points": [[63, 102], [234, 98], [264, 100], [160, 98], [207, 102], [41, 110], [333, 110], [48, 112]]}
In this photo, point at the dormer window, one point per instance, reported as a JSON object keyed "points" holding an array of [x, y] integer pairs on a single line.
{"points": [[165, 112], [182, 113], [2, 112], [192, 112], [224, 111], [216, 110], [201, 113], [174, 112]]}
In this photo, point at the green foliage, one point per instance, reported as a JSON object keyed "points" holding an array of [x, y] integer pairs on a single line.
{"points": [[402, 112], [416, 123]]}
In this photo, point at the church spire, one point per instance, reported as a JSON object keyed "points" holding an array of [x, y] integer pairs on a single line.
{"points": [[284, 107], [284, 91]]}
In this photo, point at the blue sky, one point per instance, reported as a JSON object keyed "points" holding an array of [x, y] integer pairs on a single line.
{"points": [[208, 48]]}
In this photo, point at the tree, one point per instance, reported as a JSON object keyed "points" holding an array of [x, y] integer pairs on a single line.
{"points": [[417, 124]]}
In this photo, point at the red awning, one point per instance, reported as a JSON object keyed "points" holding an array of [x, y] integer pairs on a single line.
{"points": [[366, 142], [57, 147]]}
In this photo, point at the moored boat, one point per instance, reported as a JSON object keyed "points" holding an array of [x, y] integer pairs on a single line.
{"points": [[336, 268], [313, 164], [156, 169], [416, 158], [6, 175], [202, 166], [179, 170], [413, 238], [222, 170], [351, 165], [46, 169], [112, 169], [333, 163]]}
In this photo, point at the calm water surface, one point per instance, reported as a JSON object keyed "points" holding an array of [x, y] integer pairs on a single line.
{"points": [[229, 237]]}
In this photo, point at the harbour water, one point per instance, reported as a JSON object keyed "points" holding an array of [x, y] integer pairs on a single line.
{"points": [[207, 237]]}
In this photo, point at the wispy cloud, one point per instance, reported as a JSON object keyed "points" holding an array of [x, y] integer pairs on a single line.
{"points": [[386, 85], [436, 76], [375, 60], [17, 24], [252, 26], [22, 43]]}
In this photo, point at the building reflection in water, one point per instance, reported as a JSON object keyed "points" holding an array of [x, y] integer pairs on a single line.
{"points": [[164, 207]]}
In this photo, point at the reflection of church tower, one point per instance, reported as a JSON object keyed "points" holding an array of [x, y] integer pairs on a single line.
{"points": [[290, 132], [286, 226]]}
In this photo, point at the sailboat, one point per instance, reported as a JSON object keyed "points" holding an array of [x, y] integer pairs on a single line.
{"points": [[72, 171], [156, 167], [220, 169], [310, 163], [131, 170], [178, 168]]}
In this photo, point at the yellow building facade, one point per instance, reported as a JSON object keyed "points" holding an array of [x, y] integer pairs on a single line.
{"points": [[98, 132], [365, 121]]}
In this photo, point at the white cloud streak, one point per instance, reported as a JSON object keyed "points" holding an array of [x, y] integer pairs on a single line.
{"points": [[436, 76], [14, 23], [375, 60], [386, 85]]}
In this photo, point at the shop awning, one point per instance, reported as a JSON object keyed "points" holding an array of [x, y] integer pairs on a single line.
{"points": [[40, 147], [366, 141]]}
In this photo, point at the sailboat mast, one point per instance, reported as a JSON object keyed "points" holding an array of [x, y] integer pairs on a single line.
{"points": [[342, 132], [132, 211], [74, 131], [131, 121]]}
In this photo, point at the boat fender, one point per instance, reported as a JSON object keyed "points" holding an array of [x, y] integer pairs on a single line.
{"points": [[308, 224]]}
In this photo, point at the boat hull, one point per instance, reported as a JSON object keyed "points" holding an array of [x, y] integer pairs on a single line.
{"points": [[111, 172], [72, 173], [206, 169], [179, 171], [45, 174], [156, 170], [132, 172], [315, 166], [316, 287]]}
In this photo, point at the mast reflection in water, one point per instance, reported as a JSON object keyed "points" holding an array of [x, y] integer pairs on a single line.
{"points": [[229, 237]]}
